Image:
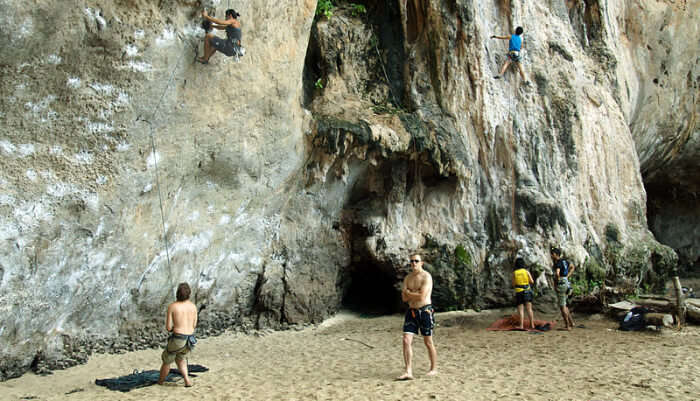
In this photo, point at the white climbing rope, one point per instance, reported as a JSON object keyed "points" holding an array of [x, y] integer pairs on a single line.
{"points": [[155, 159]]}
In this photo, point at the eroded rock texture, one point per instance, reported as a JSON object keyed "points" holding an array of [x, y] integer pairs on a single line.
{"points": [[300, 178], [661, 82]]}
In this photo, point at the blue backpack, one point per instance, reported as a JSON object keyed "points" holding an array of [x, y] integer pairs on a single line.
{"points": [[634, 319], [563, 267]]}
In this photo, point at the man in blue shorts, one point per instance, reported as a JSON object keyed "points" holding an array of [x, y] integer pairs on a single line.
{"points": [[515, 45], [416, 291]]}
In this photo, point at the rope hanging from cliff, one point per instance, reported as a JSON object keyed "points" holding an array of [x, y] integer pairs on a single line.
{"points": [[381, 62], [155, 159]]}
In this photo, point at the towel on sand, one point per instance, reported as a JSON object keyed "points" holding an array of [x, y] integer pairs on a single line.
{"points": [[512, 322], [145, 378]]}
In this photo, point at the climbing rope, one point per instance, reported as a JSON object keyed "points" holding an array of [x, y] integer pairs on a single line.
{"points": [[418, 183], [396, 102], [155, 159], [381, 62]]}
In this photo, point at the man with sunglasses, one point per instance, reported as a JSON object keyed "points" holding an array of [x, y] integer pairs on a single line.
{"points": [[416, 290]]}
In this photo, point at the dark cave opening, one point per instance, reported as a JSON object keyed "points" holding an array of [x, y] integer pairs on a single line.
{"points": [[370, 284], [671, 216], [371, 289], [426, 174], [312, 75]]}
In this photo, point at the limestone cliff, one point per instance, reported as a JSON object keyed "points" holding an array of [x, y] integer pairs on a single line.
{"points": [[298, 178]]}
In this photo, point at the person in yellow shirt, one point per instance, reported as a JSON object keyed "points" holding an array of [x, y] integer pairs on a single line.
{"points": [[522, 283]]}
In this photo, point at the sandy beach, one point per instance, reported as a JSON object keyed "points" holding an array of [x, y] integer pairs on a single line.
{"points": [[330, 362]]}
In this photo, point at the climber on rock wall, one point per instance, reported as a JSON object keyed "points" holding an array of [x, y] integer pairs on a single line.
{"points": [[231, 46], [515, 45]]}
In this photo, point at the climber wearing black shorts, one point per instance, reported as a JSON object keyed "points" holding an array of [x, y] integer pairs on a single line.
{"points": [[229, 46]]}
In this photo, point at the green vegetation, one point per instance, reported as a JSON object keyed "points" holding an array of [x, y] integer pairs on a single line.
{"points": [[325, 8], [583, 286], [646, 288], [612, 233], [374, 41], [593, 270], [462, 255], [456, 278], [318, 84], [587, 277], [357, 9], [643, 265]]}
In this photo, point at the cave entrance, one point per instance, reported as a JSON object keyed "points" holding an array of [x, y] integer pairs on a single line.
{"points": [[372, 289], [671, 213]]}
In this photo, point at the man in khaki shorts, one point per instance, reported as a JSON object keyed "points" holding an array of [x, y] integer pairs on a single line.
{"points": [[416, 291], [180, 320], [562, 271]]}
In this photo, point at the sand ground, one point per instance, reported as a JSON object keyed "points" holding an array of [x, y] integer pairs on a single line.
{"points": [[328, 363]]}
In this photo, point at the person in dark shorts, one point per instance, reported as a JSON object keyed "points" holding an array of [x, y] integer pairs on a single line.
{"points": [[515, 45], [230, 46], [522, 283], [416, 291], [420, 320]]}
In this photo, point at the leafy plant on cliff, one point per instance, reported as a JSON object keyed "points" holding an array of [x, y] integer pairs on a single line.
{"points": [[325, 8], [318, 84], [456, 282], [462, 255], [357, 9], [583, 286], [589, 276], [373, 41]]}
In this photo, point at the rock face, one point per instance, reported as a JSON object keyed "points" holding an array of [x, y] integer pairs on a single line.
{"points": [[663, 81], [299, 178]]}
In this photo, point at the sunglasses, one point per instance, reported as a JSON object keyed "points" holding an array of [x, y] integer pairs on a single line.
{"points": [[414, 261]]}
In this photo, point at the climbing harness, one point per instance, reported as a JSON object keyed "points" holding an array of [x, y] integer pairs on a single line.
{"points": [[190, 342]]}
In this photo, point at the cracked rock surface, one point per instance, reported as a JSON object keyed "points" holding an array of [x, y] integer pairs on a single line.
{"points": [[297, 180]]}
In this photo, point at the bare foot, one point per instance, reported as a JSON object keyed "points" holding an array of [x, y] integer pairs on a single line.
{"points": [[190, 384], [432, 373], [160, 382], [405, 376]]}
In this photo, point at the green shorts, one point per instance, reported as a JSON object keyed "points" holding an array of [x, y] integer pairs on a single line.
{"points": [[562, 289], [176, 350]]}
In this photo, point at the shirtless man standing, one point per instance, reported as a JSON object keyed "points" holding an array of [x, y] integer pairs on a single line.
{"points": [[416, 291], [180, 320]]}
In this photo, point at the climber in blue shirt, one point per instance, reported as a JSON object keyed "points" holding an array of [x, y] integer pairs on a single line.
{"points": [[515, 44]]}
